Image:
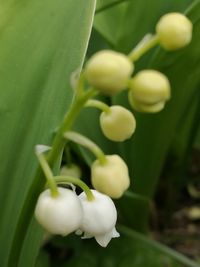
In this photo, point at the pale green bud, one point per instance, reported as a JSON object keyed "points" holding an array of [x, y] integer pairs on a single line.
{"points": [[109, 71], [112, 177], [149, 90], [174, 31], [59, 215], [71, 170], [118, 124], [148, 108]]}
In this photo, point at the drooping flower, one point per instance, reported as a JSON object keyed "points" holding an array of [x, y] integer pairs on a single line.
{"points": [[61, 214], [99, 218]]}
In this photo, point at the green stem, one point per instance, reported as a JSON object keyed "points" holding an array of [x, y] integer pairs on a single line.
{"points": [[80, 183], [59, 141], [48, 174], [98, 104], [86, 142], [148, 42]]}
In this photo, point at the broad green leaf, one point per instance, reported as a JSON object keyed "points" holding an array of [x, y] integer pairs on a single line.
{"points": [[146, 152], [127, 30], [41, 43], [130, 249], [102, 5], [155, 132]]}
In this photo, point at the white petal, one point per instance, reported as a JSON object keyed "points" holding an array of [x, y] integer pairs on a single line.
{"points": [[103, 240], [115, 233]]}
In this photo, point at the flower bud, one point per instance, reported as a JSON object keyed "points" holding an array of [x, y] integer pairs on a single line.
{"points": [[109, 71], [118, 124], [99, 218], [59, 215], [110, 178], [71, 170], [174, 31], [149, 90]]}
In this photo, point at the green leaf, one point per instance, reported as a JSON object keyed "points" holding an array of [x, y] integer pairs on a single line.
{"points": [[146, 152], [41, 43], [102, 5], [125, 32], [130, 249]]}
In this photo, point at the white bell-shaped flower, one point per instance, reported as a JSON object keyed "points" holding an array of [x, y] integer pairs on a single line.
{"points": [[99, 218], [112, 177], [59, 215], [118, 124]]}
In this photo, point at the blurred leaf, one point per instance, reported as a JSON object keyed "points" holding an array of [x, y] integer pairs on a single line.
{"points": [[43, 260], [146, 152], [125, 32], [41, 44], [131, 249], [102, 5], [155, 132]]}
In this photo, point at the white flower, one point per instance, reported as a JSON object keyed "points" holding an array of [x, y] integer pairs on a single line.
{"points": [[99, 218], [118, 124], [109, 71], [59, 215], [112, 177]]}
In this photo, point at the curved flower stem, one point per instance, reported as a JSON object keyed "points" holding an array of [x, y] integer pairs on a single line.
{"points": [[59, 141], [97, 104], [76, 181], [48, 174], [148, 42], [86, 142]]}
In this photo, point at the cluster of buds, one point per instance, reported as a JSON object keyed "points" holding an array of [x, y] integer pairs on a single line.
{"points": [[92, 213], [110, 72]]}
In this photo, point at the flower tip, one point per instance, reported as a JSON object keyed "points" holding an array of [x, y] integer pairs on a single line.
{"points": [[103, 240]]}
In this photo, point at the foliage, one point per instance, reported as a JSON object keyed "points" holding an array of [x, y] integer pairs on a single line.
{"points": [[41, 44]]}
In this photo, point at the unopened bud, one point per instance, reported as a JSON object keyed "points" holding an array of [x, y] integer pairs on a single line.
{"points": [[118, 124], [174, 31], [149, 90], [112, 177], [71, 170], [109, 71]]}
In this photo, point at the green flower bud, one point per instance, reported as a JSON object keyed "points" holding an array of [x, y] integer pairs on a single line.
{"points": [[118, 124], [71, 170], [149, 90], [174, 31], [148, 108], [109, 71], [111, 178]]}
